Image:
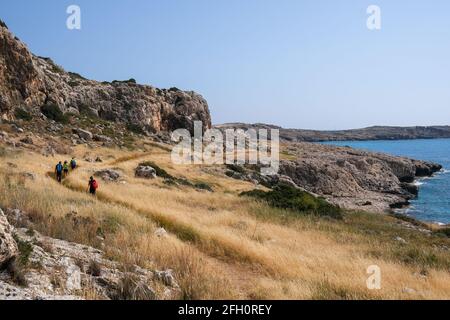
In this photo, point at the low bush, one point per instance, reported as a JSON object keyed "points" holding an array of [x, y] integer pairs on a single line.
{"points": [[94, 268], [444, 232], [286, 197], [23, 114], [203, 186], [134, 128], [17, 273]]}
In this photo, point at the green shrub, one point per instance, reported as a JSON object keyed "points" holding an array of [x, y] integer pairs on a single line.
{"points": [[419, 256], [203, 186], [23, 114], [444, 232], [286, 197], [17, 273], [25, 250], [134, 128], [53, 112]]}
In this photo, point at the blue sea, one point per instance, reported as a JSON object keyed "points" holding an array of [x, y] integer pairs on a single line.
{"points": [[433, 203]]}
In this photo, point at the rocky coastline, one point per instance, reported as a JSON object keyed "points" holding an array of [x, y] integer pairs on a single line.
{"points": [[356, 179], [364, 134]]}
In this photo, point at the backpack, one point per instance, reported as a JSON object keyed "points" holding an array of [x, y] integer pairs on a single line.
{"points": [[59, 167], [73, 163], [95, 184]]}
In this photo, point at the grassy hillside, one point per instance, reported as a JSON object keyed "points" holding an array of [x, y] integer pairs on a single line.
{"points": [[220, 244]]}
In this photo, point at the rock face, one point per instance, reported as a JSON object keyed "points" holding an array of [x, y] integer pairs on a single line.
{"points": [[354, 178], [30, 82], [8, 246], [61, 270]]}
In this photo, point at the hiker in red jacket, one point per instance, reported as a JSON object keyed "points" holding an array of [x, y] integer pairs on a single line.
{"points": [[93, 186]]}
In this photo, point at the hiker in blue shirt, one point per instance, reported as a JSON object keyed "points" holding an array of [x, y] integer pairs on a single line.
{"points": [[59, 171]]}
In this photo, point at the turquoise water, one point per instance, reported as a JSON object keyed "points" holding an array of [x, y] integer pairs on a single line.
{"points": [[433, 203]]}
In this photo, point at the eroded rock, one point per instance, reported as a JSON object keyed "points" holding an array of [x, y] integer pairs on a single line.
{"points": [[8, 246], [108, 175]]}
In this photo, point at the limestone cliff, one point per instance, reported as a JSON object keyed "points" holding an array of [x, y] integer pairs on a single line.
{"points": [[30, 82]]}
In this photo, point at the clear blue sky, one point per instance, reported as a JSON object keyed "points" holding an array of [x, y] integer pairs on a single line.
{"points": [[303, 64]]}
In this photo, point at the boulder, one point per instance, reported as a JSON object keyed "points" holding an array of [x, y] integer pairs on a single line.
{"points": [[108, 175], [161, 233], [67, 270], [83, 134], [146, 172], [8, 246]]}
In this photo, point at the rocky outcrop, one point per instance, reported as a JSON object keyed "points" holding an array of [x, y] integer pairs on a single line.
{"points": [[8, 246], [83, 134], [355, 178], [108, 175], [52, 269], [31, 82]]}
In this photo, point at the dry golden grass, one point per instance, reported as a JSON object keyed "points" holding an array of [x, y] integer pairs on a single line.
{"points": [[221, 245]]}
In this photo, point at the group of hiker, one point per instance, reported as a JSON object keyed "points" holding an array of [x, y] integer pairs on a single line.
{"points": [[62, 171]]}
